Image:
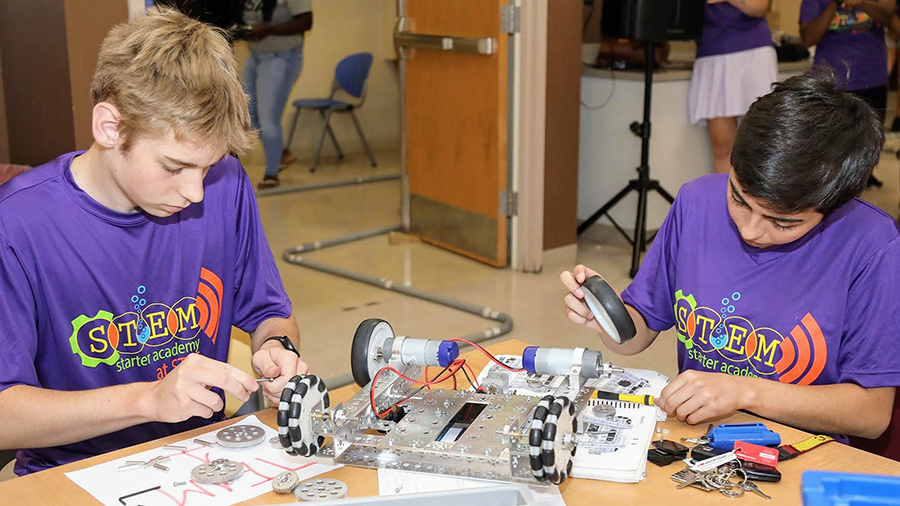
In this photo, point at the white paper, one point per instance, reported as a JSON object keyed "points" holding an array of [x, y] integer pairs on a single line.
{"points": [[261, 463], [394, 482]]}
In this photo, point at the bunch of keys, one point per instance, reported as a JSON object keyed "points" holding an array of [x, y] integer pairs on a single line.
{"points": [[722, 473]]}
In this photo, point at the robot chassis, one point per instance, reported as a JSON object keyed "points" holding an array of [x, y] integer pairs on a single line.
{"points": [[493, 435]]}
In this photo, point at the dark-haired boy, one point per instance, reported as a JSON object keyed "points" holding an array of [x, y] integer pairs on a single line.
{"points": [[776, 275]]}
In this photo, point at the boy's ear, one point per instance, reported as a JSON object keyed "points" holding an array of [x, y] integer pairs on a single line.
{"points": [[105, 125]]}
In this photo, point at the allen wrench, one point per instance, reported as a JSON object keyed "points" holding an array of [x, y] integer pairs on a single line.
{"points": [[122, 499]]}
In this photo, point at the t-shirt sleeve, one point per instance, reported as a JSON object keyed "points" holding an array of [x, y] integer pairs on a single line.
{"points": [[870, 342], [259, 292], [18, 333], [810, 10], [651, 292], [298, 7]]}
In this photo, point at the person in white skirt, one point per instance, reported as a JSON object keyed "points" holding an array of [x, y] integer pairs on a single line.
{"points": [[736, 64]]}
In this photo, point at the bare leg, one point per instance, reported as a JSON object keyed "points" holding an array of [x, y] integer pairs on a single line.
{"points": [[721, 133]]}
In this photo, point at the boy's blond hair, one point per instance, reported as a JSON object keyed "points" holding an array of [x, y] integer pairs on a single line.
{"points": [[167, 72]]}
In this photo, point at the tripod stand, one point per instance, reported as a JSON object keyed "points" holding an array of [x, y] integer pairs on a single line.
{"points": [[642, 185]]}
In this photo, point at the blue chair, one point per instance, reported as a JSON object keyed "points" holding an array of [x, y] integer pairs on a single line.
{"points": [[350, 77]]}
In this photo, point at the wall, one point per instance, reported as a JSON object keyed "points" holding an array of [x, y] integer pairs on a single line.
{"points": [[85, 30], [36, 79], [4, 134], [561, 138], [340, 28], [48, 49]]}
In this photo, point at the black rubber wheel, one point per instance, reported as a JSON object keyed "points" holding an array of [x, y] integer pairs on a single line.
{"points": [[359, 350], [614, 307]]}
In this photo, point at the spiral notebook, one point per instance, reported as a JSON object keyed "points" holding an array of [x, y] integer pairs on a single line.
{"points": [[613, 447]]}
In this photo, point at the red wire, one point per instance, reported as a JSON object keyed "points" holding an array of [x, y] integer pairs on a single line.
{"points": [[451, 374], [426, 378], [489, 355]]}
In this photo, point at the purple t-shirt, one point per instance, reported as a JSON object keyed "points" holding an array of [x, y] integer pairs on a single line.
{"points": [[94, 297], [728, 30], [853, 44], [820, 310]]}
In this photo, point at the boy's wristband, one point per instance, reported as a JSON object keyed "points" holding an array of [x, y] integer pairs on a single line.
{"points": [[288, 345]]}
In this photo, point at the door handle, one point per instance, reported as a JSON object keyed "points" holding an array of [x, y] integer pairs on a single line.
{"points": [[474, 45]]}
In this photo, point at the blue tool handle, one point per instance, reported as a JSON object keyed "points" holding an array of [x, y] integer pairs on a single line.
{"points": [[723, 436]]}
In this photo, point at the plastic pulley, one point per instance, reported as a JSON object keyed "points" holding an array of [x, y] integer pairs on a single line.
{"points": [[608, 309], [557, 461], [535, 437], [369, 337]]}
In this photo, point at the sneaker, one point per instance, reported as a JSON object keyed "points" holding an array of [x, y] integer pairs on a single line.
{"points": [[287, 158], [895, 126], [268, 183]]}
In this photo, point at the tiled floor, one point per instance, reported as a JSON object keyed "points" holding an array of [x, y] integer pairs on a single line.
{"points": [[329, 308]]}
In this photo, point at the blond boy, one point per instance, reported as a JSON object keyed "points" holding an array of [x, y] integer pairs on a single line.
{"points": [[123, 268]]}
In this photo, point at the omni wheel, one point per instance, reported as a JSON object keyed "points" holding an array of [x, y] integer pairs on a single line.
{"points": [[546, 439], [300, 397], [535, 437], [368, 339]]}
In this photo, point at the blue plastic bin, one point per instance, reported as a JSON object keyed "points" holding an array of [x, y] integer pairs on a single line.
{"points": [[830, 488]]}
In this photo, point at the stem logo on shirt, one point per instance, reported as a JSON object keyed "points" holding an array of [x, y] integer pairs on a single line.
{"points": [[854, 21], [152, 332], [724, 341]]}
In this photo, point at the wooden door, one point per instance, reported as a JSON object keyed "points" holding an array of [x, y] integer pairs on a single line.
{"points": [[455, 128]]}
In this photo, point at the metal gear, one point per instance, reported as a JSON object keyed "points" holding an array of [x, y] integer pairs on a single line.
{"points": [[217, 471], [240, 436], [286, 482], [321, 489]]}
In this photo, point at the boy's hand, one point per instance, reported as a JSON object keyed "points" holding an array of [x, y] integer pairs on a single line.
{"points": [[185, 391], [256, 33], [696, 397], [272, 360], [576, 309]]}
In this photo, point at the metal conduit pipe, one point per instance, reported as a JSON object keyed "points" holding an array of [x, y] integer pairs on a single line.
{"points": [[293, 256], [327, 184]]}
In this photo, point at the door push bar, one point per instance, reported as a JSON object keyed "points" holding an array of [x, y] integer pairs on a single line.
{"points": [[404, 39]]}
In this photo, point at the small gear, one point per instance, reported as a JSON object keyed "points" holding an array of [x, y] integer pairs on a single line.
{"points": [[286, 482], [218, 471], [240, 436], [321, 489], [603, 411]]}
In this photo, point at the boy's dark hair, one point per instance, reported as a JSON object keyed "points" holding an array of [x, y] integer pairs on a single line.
{"points": [[807, 145]]}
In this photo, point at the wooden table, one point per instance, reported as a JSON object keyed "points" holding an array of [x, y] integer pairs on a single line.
{"points": [[53, 487]]}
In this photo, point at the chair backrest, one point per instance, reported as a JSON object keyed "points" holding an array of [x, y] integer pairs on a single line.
{"points": [[352, 72], [9, 171]]}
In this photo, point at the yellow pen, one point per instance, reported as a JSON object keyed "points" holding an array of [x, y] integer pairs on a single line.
{"points": [[637, 399]]}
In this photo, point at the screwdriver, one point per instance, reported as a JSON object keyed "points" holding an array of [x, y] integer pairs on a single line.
{"points": [[647, 400]]}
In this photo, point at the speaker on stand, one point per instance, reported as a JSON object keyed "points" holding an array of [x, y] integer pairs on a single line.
{"points": [[646, 21]]}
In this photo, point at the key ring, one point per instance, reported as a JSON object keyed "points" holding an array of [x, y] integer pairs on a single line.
{"points": [[728, 485], [728, 493]]}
